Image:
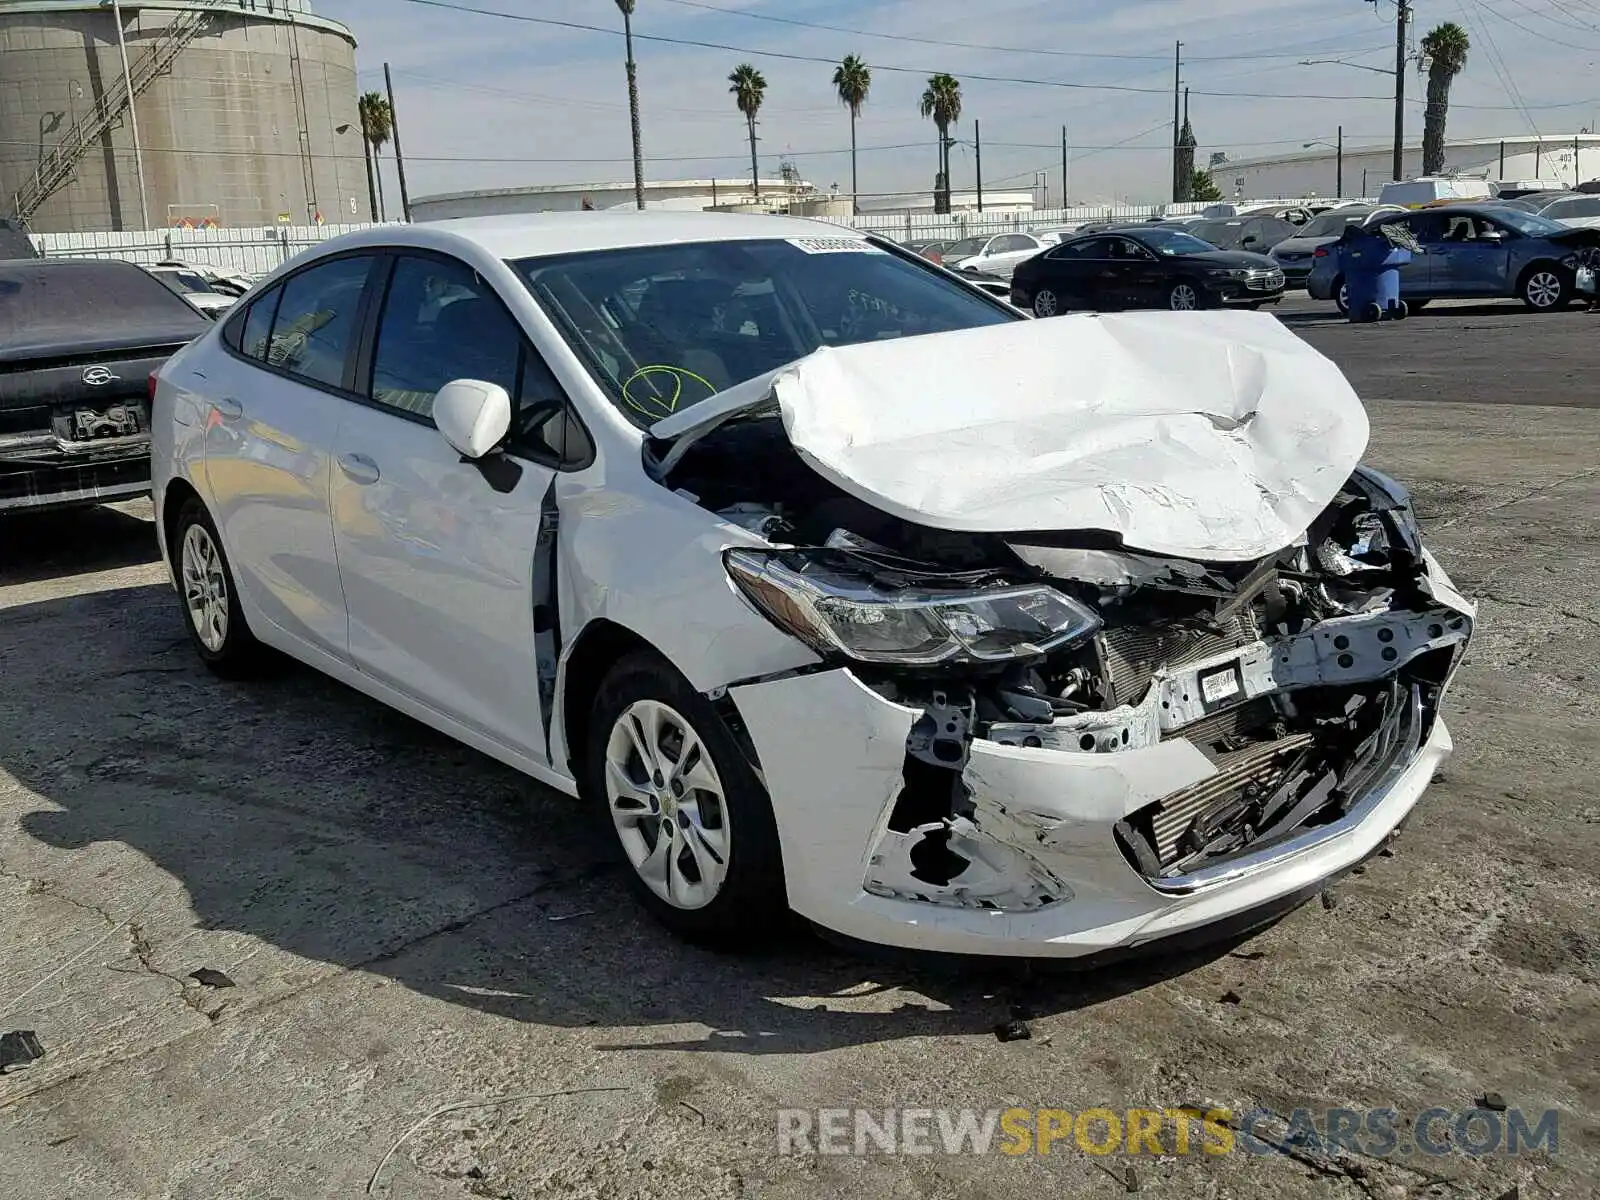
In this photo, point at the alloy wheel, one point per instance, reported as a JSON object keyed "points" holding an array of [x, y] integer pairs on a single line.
{"points": [[668, 804], [1184, 298], [1543, 289], [1044, 304], [205, 588]]}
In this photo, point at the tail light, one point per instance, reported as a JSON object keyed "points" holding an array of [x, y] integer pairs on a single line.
{"points": [[1320, 252], [152, 383]]}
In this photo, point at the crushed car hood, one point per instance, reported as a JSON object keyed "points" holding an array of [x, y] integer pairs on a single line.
{"points": [[1215, 435]]}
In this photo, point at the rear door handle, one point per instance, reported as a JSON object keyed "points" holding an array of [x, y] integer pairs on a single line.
{"points": [[228, 408], [359, 468]]}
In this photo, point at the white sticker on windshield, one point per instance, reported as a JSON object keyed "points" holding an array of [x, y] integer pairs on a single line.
{"points": [[834, 245]]}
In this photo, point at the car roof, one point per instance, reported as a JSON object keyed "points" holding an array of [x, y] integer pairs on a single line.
{"points": [[530, 235]]}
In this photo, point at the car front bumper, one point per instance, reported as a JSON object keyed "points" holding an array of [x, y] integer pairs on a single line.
{"points": [[1046, 875]]}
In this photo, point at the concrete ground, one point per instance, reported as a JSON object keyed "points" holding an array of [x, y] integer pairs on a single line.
{"points": [[408, 926]]}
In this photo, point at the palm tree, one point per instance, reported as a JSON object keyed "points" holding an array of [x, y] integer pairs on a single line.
{"points": [[633, 103], [1445, 51], [852, 79], [377, 126], [942, 101], [749, 90]]}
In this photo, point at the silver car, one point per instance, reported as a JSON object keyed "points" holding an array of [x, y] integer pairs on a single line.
{"points": [[1294, 255]]}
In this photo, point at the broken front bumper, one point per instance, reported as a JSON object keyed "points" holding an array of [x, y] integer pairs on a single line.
{"points": [[1047, 872]]}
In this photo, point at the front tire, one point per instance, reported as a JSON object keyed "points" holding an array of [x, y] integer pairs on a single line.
{"points": [[1046, 303], [211, 610], [1185, 297], [1546, 288], [687, 815]]}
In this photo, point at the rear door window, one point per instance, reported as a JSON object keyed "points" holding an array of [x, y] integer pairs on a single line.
{"points": [[316, 320], [249, 335]]}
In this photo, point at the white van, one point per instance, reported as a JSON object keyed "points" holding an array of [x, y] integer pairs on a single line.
{"points": [[1416, 193]]}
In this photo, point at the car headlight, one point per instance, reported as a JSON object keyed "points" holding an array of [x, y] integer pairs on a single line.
{"points": [[1228, 272], [815, 597]]}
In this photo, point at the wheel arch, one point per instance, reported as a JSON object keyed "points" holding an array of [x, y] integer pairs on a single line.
{"points": [[1552, 264], [599, 646], [179, 491]]}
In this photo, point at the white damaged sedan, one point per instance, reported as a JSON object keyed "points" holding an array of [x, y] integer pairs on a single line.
{"points": [[831, 583]]}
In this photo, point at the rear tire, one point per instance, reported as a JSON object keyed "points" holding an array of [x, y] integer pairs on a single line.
{"points": [[1046, 303], [1341, 296], [210, 598], [682, 806]]}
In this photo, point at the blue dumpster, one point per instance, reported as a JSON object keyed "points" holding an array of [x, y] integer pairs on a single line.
{"points": [[1371, 266]]}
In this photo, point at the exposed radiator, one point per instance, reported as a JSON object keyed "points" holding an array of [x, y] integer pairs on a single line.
{"points": [[1261, 765], [1135, 653]]}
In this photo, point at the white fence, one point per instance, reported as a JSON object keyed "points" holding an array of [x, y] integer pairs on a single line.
{"points": [[257, 251], [246, 251]]}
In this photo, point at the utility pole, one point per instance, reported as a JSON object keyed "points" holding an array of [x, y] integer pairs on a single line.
{"points": [[1403, 16], [1177, 84], [977, 155], [1338, 192], [133, 117], [399, 155], [1064, 201], [633, 104]]}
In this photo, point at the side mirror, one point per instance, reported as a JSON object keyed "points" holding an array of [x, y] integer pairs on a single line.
{"points": [[473, 416], [1251, 240], [1492, 235]]}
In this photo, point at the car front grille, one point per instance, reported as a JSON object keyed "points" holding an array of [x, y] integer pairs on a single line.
{"points": [[1264, 281]]}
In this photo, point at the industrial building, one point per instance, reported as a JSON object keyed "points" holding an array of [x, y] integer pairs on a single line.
{"points": [[243, 114], [787, 193], [1566, 158]]}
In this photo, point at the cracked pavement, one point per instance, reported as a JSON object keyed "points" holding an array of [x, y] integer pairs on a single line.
{"points": [[410, 926]]}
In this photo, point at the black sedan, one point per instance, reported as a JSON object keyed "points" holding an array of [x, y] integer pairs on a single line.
{"points": [[1143, 268]]}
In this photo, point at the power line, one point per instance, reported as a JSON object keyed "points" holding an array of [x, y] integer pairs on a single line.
{"points": [[1497, 62], [925, 41], [813, 58], [1542, 36]]}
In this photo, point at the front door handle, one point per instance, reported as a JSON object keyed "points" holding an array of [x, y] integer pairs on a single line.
{"points": [[359, 468], [228, 408]]}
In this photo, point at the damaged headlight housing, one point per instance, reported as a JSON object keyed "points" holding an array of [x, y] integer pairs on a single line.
{"points": [[838, 613], [1373, 527]]}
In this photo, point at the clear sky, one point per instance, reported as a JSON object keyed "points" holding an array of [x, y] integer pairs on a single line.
{"points": [[550, 103]]}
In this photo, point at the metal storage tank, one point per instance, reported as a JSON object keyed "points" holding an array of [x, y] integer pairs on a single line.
{"points": [[245, 112]]}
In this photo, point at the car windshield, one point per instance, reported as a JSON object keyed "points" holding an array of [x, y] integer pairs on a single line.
{"points": [[966, 246], [1582, 206], [1332, 224], [1225, 235], [65, 298], [665, 327], [1171, 243], [183, 281], [1528, 224]]}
